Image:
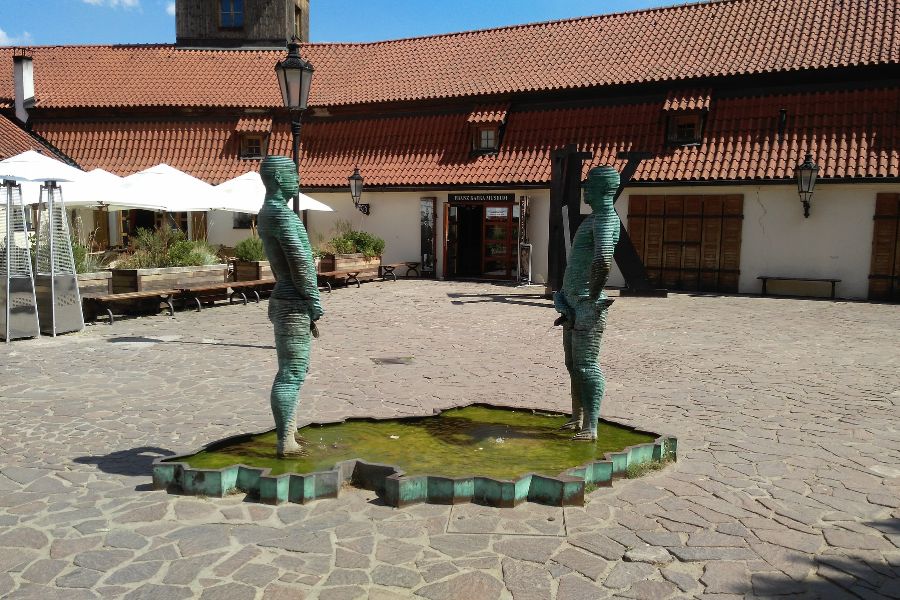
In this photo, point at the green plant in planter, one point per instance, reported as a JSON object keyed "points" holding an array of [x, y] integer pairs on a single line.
{"points": [[350, 241], [250, 249], [167, 247]]}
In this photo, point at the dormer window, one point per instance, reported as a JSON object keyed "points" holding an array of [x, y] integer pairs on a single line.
{"points": [[486, 122], [253, 131], [685, 129], [252, 146], [685, 112], [231, 14], [487, 139]]}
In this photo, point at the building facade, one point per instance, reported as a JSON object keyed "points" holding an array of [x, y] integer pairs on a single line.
{"points": [[454, 133]]}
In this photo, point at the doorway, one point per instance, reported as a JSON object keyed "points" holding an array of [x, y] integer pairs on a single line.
{"points": [[481, 240]]}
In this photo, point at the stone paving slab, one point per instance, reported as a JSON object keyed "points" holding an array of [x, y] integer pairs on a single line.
{"points": [[787, 483]]}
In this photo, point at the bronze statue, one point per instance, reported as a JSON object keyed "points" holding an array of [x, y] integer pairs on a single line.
{"points": [[294, 306], [583, 303]]}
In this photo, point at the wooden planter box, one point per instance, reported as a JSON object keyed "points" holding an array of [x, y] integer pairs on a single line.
{"points": [[251, 270], [349, 262], [142, 280], [96, 283]]}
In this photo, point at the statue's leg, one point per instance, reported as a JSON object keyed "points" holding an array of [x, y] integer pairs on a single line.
{"points": [[586, 345], [292, 343], [574, 421]]}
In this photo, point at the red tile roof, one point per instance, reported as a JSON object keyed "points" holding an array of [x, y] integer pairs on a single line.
{"points": [[851, 134], [205, 149], [726, 37], [489, 113], [14, 140], [688, 100], [254, 125]]}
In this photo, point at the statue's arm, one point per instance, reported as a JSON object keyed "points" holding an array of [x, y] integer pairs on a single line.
{"points": [[298, 252], [606, 236]]}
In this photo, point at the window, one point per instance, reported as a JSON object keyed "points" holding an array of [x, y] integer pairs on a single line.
{"points": [[298, 23], [242, 221], [231, 14], [486, 139], [252, 146], [685, 129]]}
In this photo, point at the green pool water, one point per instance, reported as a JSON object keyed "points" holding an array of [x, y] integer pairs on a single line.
{"points": [[475, 440]]}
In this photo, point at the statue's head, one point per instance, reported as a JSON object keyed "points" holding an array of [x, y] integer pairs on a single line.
{"points": [[279, 175], [600, 187]]}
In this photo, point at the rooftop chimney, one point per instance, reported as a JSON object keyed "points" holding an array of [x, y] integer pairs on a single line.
{"points": [[23, 77]]}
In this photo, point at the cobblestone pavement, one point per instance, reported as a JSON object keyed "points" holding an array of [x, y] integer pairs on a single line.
{"points": [[788, 479]]}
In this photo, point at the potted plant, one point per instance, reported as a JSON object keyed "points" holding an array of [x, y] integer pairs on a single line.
{"points": [[93, 277], [164, 259], [251, 263], [351, 249]]}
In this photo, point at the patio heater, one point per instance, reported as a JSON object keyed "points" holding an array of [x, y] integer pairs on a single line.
{"points": [[56, 284], [18, 304], [294, 79], [806, 174]]}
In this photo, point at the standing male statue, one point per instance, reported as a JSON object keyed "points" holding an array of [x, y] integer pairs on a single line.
{"points": [[582, 302], [294, 305]]}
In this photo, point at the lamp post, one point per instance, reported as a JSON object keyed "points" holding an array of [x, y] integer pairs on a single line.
{"points": [[806, 173], [294, 79], [356, 188]]}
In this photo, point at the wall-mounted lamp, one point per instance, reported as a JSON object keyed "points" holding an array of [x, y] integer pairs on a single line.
{"points": [[806, 173], [356, 188]]}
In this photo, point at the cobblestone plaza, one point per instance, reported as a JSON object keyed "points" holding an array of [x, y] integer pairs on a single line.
{"points": [[787, 413]]}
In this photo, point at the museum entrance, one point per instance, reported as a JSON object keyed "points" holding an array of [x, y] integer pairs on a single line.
{"points": [[481, 236]]}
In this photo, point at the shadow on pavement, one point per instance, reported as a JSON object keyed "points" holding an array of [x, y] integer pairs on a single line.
{"points": [[530, 299], [133, 462], [138, 339], [838, 576]]}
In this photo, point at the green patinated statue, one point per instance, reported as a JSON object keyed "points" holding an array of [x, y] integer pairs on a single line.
{"points": [[294, 305], [583, 303]]}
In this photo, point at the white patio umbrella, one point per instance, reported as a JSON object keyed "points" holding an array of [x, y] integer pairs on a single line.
{"points": [[34, 166], [245, 194], [165, 188], [94, 189]]}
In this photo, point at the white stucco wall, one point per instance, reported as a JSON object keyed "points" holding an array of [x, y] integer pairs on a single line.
{"points": [[834, 242]]}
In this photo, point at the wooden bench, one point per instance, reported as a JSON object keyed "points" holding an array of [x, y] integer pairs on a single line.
{"points": [[766, 278], [254, 287], [209, 293], [387, 270], [95, 304], [351, 276]]}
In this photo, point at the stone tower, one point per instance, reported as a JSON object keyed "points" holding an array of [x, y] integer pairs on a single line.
{"points": [[240, 23]]}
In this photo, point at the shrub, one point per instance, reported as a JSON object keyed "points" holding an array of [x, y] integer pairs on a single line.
{"points": [[250, 249], [348, 241], [167, 247], [85, 262]]}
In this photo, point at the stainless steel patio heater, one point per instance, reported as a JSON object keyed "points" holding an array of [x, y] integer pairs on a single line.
{"points": [[18, 305], [56, 284]]}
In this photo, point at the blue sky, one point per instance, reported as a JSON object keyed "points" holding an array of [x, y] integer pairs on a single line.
{"points": [[41, 22]]}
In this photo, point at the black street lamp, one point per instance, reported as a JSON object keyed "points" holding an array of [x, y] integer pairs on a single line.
{"points": [[806, 173], [294, 79], [356, 188]]}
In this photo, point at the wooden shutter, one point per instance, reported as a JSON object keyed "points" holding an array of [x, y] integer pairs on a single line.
{"points": [[673, 237], [730, 258], [884, 275], [691, 236], [101, 230], [689, 242]]}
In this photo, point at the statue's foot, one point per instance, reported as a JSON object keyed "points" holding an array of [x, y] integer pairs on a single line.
{"points": [[574, 423], [585, 435], [290, 447]]}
